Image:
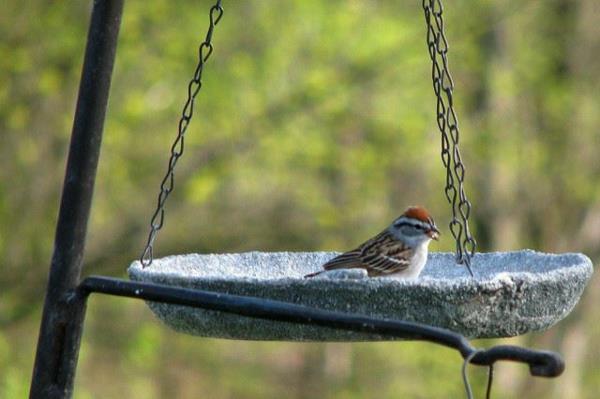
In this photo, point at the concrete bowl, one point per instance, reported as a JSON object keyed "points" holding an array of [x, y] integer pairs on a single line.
{"points": [[512, 293]]}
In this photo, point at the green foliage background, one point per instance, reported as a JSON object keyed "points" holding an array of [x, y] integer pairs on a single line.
{"points": [[315, 127]]}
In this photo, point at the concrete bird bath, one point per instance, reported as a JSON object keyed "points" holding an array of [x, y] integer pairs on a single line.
{"points": [[512, 293]]}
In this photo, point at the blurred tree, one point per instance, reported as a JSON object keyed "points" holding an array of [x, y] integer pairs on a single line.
{"points": [[315, 127]]}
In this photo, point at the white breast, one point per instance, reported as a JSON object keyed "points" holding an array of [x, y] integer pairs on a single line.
{"points": [[417, 263]]}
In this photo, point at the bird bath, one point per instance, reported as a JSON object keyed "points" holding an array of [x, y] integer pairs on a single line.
{"points": [[512, 293]]}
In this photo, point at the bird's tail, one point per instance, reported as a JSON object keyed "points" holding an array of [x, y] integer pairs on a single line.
{"points": [[314, 274], [347, 260]]}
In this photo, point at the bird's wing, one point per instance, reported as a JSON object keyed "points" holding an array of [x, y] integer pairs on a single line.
{"points": [[380, 255], [347, 260], [385, 255]]}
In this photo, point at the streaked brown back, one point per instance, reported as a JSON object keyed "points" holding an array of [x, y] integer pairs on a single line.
{"points": [[381, 255]]}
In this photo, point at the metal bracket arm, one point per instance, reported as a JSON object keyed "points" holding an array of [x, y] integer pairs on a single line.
{"points": [[541, 363]]}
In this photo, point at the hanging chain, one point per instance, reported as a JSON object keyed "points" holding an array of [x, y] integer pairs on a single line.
{"points": [[490, 379], [447, 121], [166, 187], [465, 377]]}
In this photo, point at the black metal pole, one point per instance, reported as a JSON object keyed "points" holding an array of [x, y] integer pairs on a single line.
{"points": [[62, 319]]}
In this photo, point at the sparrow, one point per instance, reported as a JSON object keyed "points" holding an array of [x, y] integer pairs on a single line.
{"points": [[399, 250]]}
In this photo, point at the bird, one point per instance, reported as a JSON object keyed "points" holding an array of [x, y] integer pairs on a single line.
{"points": [[400, 250]]}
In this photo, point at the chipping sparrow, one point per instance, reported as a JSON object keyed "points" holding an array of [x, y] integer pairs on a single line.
{"points": [[401, 249]]}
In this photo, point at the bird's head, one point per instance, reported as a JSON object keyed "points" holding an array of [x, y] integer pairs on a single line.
{"points": [[415, 226]]}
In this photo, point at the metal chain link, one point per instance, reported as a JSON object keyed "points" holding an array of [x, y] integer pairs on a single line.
{"points": [[447, 122], [490, 379], [166, 187], [465, 377], [468, 389]]}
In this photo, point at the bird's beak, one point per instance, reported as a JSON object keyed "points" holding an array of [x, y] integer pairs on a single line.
{"points": [[433, 233]]}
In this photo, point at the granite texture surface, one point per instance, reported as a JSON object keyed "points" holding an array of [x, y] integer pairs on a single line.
{"points": [[512, 293]]}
